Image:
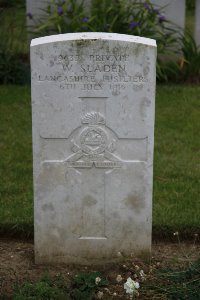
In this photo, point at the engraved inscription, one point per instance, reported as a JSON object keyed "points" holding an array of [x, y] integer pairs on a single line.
{"points": [[137, 78], [90, 72], [111, 58], [103, 68], [97, 164]]}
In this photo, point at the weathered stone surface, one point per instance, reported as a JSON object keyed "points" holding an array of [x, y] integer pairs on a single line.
{"points": [[93, 122]]}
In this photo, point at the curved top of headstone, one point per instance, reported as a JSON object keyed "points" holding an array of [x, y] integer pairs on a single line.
{"points": [[93, 35]]}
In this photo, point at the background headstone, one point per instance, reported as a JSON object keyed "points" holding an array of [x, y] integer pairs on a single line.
{"points": [[93, 131], [37, 9], [197, 22], [174, 11]]}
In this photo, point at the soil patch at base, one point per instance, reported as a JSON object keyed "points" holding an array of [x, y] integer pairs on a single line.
{"points": [[17, 265]]}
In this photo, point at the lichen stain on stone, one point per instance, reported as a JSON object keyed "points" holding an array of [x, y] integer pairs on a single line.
{"points": [[138, 49], [47, 207], [89, 201], [135, 202], [62, 234], [101, 211], [85, 42], [51, 174], [146, 70], [144, 104], [67, 199], [51, 63], [116, 215]]}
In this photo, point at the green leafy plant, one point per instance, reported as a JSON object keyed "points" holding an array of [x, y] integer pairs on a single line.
{"points": [[190, 61], [44, 289], [12, 3], [128, 17], [13, 68], [14, 59], [85, 285], [185, 67], [59, 17], [119, 16], [190, 5]]}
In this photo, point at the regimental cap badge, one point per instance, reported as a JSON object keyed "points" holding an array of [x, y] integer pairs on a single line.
{"points": [[93, 118]]}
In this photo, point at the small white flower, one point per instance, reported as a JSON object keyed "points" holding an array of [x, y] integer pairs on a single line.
{"points": [[142, 275], [176, 233], [137, 267], [100, 295], [131, 286], [137, 285], [124, 266], [119, 278], [97, 280]]}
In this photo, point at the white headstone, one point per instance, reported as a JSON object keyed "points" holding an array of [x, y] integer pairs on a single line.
{"points": [[197, 22], [93, 132]]}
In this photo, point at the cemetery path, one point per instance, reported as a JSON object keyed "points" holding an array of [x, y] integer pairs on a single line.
{"points": [[17, 264]]}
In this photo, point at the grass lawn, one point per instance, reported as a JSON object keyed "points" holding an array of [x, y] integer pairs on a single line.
{"points": [[176, 204], [177, 159], [16, 199]]}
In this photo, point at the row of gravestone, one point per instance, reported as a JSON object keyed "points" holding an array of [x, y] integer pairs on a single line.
{"points": [[93, 97], [174, 10]]}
